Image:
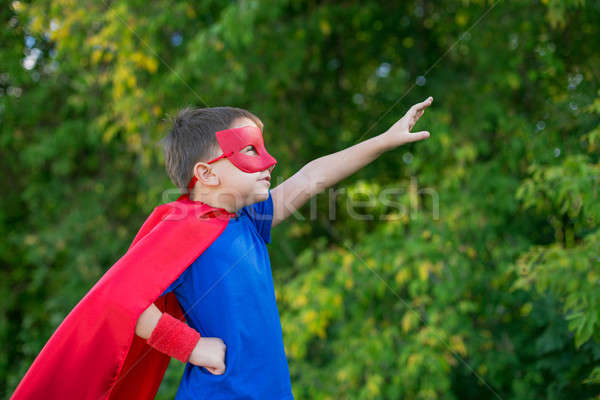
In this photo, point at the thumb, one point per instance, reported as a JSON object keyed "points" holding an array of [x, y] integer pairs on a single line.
{"points": [[416, 136]]}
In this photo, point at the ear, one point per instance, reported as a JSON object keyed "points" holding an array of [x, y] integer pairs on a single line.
{"points": [[206, 174]]}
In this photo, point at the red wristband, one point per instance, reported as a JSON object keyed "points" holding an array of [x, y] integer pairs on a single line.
{"points": [[174, 338]]}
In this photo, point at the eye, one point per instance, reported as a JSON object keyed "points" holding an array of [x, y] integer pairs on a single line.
{"points": [[251, 149]]}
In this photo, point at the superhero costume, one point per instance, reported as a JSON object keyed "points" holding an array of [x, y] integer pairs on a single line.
{"points": [[229, 293], [94, 353]]}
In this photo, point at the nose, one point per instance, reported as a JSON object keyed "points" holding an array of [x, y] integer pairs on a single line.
{"points": [[270, 169]]}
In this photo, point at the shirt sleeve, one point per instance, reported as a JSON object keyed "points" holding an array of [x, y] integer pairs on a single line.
{"points": [[261, 214], [176, 282]]}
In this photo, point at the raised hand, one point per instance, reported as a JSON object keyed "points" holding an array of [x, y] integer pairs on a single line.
{"points": [[399, 133]]}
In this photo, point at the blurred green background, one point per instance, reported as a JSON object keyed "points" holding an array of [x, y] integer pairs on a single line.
{"points": [[480, 281]]}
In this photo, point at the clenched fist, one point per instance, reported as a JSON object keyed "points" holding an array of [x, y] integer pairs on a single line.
{"points": [[210, 354]]}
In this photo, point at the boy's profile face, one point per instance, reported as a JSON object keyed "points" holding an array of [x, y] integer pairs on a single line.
{"points": [[246, 187]]}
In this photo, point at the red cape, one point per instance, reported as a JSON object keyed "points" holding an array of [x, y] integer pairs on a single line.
{"points": [[94, 353]]}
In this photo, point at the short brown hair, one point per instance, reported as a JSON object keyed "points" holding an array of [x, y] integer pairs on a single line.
{"points": [[192, 139]]}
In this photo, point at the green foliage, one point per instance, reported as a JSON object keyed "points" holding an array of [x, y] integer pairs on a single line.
{"points": [[569, 267], [462, 267]]}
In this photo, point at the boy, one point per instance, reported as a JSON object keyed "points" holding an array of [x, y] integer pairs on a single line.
{"points": [[227, 294], [205, 253]]}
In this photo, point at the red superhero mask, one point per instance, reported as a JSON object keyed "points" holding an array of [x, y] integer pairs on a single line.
{"points": [[232, 141]]}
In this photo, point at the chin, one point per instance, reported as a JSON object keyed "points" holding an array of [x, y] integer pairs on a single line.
{"points": [[264, 196]]}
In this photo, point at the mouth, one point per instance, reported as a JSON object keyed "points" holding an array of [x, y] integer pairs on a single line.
{"points": [[267, 178]]}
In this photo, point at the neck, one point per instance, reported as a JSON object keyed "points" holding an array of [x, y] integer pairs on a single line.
{"points": [[215, 199]]}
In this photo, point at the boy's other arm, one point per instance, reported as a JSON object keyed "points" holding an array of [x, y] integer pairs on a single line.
{"points": [[209, 352], [147, 322], [326, 171]]}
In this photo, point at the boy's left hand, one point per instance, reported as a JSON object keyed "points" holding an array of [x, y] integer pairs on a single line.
{"points": [[399, 133]]}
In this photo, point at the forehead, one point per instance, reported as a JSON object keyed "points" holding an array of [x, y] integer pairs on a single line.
{"points": [[243, 121]]}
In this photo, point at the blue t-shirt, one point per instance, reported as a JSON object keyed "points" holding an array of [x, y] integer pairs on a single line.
{"points": [[228, 293]]}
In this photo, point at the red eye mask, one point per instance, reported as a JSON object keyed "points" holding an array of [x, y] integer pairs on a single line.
{"points": [[232, 141]]}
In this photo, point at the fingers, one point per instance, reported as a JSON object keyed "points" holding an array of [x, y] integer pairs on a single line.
{"points": [[216, 371], [419, 107]]}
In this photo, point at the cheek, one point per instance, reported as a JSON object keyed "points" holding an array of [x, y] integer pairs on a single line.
{"points": [[237, 178], [228, 175]]}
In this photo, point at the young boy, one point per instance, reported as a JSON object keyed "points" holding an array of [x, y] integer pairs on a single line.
{"points": [[234, 341], [202, 257]]}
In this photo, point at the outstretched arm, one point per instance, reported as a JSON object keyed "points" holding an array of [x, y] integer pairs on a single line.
{"points": [[326, 171]]}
